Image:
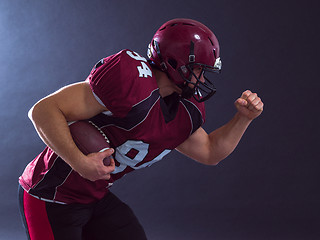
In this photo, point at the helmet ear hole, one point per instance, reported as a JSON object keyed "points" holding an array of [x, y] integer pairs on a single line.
{"points": [[173, 63]]}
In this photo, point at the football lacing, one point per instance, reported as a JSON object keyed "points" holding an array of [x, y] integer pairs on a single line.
{"points": [[102, 133]]}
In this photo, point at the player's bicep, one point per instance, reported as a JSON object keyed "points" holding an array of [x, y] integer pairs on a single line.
{"points": [[76, 101], [197, 146]]}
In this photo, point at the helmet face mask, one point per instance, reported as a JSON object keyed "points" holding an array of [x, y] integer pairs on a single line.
{"points": [[179, 47], [197, 85]]}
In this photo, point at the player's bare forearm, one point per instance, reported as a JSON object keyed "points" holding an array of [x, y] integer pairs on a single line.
{"points": [[52, 128], [50, 116], [225, 139], [211, 148]]}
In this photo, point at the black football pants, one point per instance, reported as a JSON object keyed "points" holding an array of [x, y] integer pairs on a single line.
{"points": [[107, 219]]}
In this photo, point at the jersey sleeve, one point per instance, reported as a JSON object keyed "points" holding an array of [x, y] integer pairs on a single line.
{"points": [[104, 79], [115, 82]]}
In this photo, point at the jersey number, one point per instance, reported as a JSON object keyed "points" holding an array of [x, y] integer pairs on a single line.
{"points": [[144, 70], [141, 151]]}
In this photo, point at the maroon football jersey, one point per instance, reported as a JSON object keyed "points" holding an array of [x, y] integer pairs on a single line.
{"points": [[142, 127]]}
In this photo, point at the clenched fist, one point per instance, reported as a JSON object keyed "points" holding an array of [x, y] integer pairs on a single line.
{"points": [[249, 105]]}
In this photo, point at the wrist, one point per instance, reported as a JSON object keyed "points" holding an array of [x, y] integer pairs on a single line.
{"points": [[76, 160], [243, 119]]}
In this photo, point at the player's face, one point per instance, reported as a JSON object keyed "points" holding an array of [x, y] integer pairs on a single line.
{"points": [[199, 73]]}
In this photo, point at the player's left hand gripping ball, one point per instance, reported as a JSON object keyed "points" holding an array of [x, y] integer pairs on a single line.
{"points": [[249, 105]]}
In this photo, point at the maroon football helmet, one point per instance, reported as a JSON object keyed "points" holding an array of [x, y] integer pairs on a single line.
{"points": [[181, 45]]}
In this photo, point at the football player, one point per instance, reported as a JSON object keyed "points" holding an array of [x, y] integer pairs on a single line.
{"points": [[65, 194]]}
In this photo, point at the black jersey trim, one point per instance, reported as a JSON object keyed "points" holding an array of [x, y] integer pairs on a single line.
{"points": [[169, 106], [194, 113], [135, 116], [55, 177]]}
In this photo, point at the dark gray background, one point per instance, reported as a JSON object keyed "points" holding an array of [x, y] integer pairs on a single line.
{"points": [[267, 189]]}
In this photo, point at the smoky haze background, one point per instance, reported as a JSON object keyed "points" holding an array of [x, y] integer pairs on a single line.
{"points": [[267, 189]]}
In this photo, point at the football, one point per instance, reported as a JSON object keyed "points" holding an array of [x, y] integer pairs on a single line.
{"points": [[89, 138]]}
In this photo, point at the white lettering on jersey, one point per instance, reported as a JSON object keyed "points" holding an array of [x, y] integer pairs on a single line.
{"points": [[142, 151], [136, 56], [144, 70]]}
